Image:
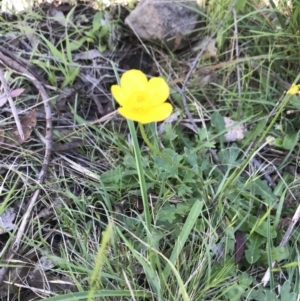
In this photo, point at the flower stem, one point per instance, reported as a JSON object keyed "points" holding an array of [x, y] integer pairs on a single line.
{"points": [[159, 153], [142, 181], [156, 151], [147, 141]]}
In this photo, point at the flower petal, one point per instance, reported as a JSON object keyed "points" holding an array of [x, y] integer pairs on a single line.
{"points": [[157, 113], [119, 94], [294, 89], [131, 114], [158, 90], [133, 80]]}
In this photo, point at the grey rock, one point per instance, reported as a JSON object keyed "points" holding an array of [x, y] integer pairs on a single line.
{"points": [[169, 22]]}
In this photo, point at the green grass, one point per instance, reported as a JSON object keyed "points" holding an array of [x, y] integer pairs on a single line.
{"points": [[121, 222]]}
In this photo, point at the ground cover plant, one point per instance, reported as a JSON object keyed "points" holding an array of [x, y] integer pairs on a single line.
{"points": [[202, 205]]}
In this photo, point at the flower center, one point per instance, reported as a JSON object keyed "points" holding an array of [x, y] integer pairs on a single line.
{"points": [[139, 100]]}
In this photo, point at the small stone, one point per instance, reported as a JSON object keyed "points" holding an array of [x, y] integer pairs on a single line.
{"points": [[170, 22]]}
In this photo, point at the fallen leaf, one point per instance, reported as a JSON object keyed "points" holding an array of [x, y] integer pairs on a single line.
{"points": [[239, 245], [30, 34], [235, 132], [14, 93], [57, 16], [37, 271], [44, 264], [3, 100], [6, 220], [210, 50], [16, 6], [87, 55], [28, 123], [205, 80], [170, 119], [2, 136]]}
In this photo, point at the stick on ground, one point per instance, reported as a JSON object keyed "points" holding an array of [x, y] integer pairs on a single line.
{"points": [[14, 247]]}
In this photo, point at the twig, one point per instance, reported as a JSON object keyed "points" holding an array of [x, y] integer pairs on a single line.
{"points": [[237, 53], [259, 166], [284, 240], [48, 146], [195, 62], [258, 68], [12, 105]]}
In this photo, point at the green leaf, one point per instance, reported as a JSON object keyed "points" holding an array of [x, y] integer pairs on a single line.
{"points": [[183, 190], [184, 207], [256, 295], [151, 274], [240, 4], [278, 142], [97, 21], [261, 227], [71, 76], [170, 170], [245, 280], [256, 132], [169, 133], [76, 44], [280, 253], [217, 121], [191, 157], [112, 176], [253, 251], [102, 48], [234, 292], [55, 52], [270, 296], [252, 223], [184, 234], [228, 156], [262, 189], [290, 140], [129, 162], [101, 294], [285, 294], [277, 254], [281, 184], [294, 101], [167, 213]]}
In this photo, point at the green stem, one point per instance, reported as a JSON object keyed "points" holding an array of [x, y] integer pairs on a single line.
{"points": [[143, 187], [158, 152], [141, 176], [149, 144]]}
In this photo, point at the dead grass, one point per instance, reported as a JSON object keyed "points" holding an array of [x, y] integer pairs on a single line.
{"points": [[91, 178]]}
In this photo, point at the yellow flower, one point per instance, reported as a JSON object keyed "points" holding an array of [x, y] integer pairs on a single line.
{"points": [[142, 100], [294, 89]]}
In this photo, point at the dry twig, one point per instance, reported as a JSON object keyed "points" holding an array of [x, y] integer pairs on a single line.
{"points": [[48, 146], [237, 53], [283, 242], [194, 64], [12, 105]]}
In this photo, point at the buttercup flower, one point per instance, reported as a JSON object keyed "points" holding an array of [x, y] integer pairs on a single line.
{"points": [[140, 99], [294, 89]]}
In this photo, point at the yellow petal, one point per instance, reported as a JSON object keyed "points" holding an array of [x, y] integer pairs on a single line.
{"points": [[133, 80], [119, 94], [294, 89], [131, 114], [158, 90], [158, 113]]}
